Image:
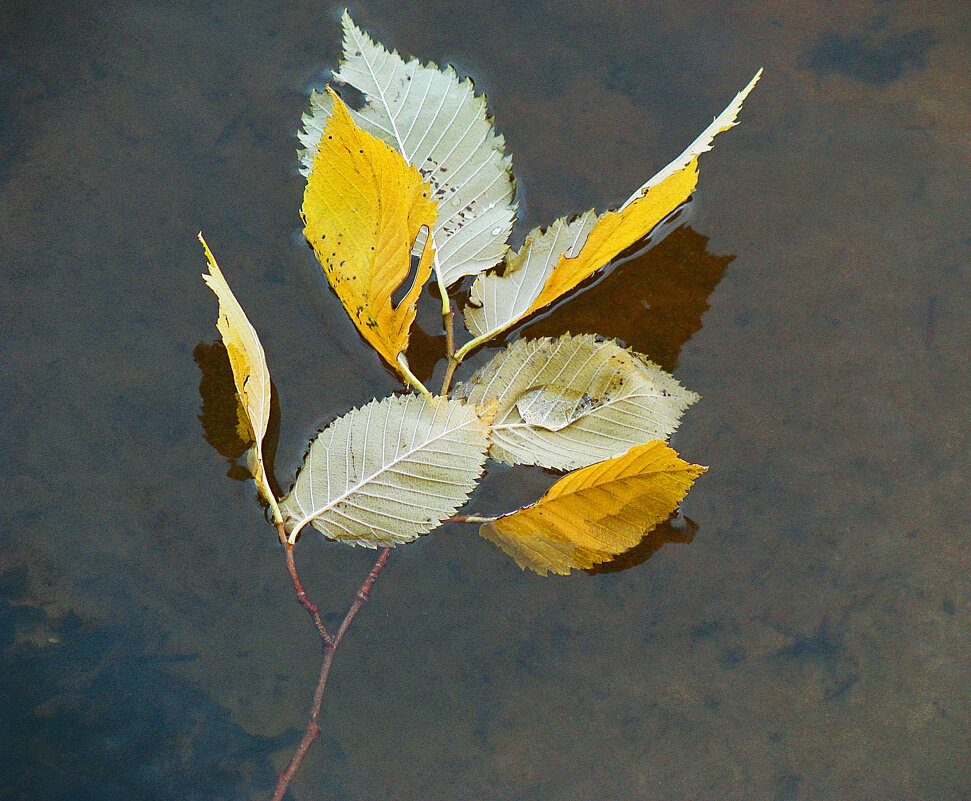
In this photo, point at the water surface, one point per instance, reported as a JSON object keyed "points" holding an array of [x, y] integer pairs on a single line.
{"points": [[803, 635]]}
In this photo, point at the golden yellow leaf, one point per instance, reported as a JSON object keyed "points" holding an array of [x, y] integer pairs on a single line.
{"points": [[363, 209], [250, 374], [591, 515], [555, 260], [616, 231]]}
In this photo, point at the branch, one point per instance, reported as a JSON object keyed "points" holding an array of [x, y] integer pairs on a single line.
{"points": [[330, 646], [447, 317], [449, 372], [304, 599]]}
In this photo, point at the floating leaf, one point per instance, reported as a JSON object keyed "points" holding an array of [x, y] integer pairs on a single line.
{"points": [[390, 471], [569, 402], [438, 125], [656, 298], [363, 208], [250, 374], [555, 260], [593, 514]]}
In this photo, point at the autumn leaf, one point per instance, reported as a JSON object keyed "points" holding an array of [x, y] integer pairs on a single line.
{"points": [[591, 515], [569, 402], [363, 208], [248, 362], [439, 125], [555, 260], [390, 471]]}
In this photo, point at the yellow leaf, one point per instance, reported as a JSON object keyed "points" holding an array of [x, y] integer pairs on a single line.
{"points": [[250, 374], [591, 515], [363, 209], [555, 260], [616, 231]]}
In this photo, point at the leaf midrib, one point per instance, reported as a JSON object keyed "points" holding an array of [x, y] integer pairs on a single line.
{"points": [[371, 477]]}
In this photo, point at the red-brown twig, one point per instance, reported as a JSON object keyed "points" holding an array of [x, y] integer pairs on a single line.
{"points": [[330, 646], [305, 599]]}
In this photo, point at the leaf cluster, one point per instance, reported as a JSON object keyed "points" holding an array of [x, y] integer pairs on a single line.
{"points": [[418, 175]]}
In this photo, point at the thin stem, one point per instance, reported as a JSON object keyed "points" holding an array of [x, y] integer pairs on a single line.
{"points": [[448, 316], [330, 646], [449, 372], [362, 594], [410, 376], [442, 290], [462, 352], [304, 599], [268, 493], [313, 728], [469, 519]]}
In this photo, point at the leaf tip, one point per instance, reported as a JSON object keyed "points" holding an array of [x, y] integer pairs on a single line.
{"points": [[205, 246]]}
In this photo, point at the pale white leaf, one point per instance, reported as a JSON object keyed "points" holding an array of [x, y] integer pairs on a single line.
{"points": [[390, 471], [496, 301], [440, 126], [570, 402]]}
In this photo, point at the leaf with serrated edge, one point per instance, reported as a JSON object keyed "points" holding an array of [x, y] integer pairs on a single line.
{"points": [[440, 126], [390, 471], [592, 515], [555, 260], [569, 402], [363, 208], [248, 362]]}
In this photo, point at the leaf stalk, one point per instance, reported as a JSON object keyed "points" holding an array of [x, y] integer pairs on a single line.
{"points": [[409, 376], [471, 345], [470, 519]]}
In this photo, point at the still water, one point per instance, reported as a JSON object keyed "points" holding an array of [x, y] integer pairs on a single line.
{"points": [[802, 632]]}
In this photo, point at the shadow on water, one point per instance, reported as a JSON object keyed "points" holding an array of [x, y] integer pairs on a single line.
{"points": [[676, 529], [651, 300], [91, 714], [874, 59], [223, 418]]}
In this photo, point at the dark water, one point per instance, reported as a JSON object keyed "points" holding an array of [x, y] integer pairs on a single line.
{"points": [[804, 636]]}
